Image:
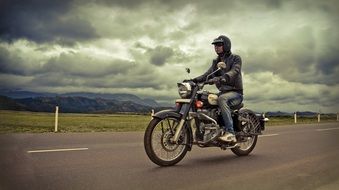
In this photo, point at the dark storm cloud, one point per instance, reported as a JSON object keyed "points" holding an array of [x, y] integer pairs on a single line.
{"points": [[56, 80], [131, 76], [124, 83], [328, 62], [13, 64], [70, 64], [6, 64], [42, 21], [85, 66], [129, 4], [289, 48], [160, 54], [302, 57]]}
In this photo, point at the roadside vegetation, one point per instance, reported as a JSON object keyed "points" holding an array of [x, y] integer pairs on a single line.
{"points": [[37, 122]]}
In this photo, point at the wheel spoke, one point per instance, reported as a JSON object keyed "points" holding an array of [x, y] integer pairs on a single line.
{"points": [[162, 127], [171, 127], [161, 144]]}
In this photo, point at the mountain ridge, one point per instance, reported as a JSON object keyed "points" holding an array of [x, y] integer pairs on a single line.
{"points": [[87, 102], [81, 105], [21, 94]]}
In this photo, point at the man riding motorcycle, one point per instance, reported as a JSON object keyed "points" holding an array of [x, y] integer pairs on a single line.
{"points": [[205, 119], [229, 82]]}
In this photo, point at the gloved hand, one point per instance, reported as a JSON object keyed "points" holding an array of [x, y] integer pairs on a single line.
{"points": [[216, 80]]}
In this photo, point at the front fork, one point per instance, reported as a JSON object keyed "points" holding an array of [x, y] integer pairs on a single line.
{"points": [[184, 107], [178, 131]]}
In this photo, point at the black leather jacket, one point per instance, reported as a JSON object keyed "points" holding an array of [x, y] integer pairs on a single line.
{"points": [[231, 74]]}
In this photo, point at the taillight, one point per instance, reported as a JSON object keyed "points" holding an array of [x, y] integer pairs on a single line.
{"points": [[199, 104]]}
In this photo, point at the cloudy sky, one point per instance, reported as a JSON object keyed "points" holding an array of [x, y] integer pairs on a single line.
{"points": [[289, 48]]}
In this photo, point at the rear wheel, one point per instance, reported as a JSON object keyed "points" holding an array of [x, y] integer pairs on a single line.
{"points": [[158, 145], [249, 122], [246, 147]]}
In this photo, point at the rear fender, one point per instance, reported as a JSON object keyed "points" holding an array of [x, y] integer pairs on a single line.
{"points": [[259, 121], [263, 120]]}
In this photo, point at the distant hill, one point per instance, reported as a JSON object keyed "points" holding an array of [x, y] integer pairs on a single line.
{"points": [[81, 105], [10, 104], [19, 94], [279, 113], [83, 102], [307, 113], [118, 97], [72, 105]]}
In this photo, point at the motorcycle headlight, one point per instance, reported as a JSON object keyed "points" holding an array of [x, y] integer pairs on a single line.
{"points": [[185, 90]]}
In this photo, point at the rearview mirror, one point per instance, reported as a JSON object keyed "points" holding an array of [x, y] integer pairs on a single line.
{"points": [[188, 70]]}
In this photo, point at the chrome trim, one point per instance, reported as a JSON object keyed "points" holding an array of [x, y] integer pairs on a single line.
{"points": [[208, 76], [182, 100], [208, 117], [178, 130]]}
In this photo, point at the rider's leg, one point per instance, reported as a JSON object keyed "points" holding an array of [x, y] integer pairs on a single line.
{"points": [[225, 101]]}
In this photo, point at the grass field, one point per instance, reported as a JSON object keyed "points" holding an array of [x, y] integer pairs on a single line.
{"points": [[33, 122]]}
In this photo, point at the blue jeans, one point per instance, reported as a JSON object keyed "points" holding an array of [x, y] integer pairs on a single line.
{"points": [[225, 101]]}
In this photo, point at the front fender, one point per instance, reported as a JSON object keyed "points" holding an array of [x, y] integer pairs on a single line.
{"points": [[167, 113], [173, 113]]}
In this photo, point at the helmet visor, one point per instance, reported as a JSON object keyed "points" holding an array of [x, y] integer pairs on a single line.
{"points": [[217, 41]]}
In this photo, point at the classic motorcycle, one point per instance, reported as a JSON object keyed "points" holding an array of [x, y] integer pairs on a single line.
{"points": [[197, 120]]}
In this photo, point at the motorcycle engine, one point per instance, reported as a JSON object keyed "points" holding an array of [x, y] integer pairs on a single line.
{"points": [[213, 114], [210, 131], [208, 124]]}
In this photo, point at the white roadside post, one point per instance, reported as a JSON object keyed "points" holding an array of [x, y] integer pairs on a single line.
{"points": [[56, 119], [295, 117], [318, 117], [152, 114]]}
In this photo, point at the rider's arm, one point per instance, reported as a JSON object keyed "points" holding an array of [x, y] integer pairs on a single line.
{"points": [[202, 77], [235, 70]]}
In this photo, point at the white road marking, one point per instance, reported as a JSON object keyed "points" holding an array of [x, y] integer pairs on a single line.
{"points": [[56, 150], [328, 129], [268, 135]]}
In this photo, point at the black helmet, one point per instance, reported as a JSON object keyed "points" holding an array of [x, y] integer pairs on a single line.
{"points": [[225, 40]]}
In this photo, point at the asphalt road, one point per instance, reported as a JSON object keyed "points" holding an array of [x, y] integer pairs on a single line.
{"points": [[286, 157]]}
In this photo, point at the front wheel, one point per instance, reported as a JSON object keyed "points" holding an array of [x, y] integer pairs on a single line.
{"points": [[158, 145]]}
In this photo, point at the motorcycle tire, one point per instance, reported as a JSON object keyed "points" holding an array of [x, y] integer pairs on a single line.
{"points": [[164, 144], [243, 149]]}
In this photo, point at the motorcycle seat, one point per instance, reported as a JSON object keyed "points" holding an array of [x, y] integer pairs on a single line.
{"points": [[237, 107]]}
